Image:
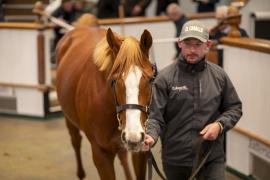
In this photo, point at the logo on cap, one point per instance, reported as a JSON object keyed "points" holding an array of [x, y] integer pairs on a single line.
{"points": [[194, 28]]}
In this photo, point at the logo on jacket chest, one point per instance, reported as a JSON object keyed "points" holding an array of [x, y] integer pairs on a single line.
{"points": [[180, 88]]}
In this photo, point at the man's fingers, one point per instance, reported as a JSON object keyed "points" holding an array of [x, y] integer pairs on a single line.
{"points": [[204, 130], [145, 147], [148, 140]]}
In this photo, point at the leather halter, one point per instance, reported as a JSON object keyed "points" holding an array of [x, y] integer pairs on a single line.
{"points": [[122, 107], [144, 109]]}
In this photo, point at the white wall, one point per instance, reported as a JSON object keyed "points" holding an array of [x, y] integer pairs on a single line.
{"points": [[249, 72], [18, 54], [250, 75], [19, 65], [251, 7]]}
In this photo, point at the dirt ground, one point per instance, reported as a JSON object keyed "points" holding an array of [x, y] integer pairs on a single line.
{"points": [[37, 149]]}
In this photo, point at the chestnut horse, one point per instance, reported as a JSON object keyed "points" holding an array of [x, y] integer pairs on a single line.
{"points": [[104, 88]]}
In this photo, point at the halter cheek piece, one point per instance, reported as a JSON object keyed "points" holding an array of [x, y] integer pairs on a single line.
{"points": [[122, 107]]}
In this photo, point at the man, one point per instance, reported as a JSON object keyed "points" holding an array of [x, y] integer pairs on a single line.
{"points": [[223, 28], [174, 12], [136, 7], [162, 5], [2, 19], [107, 9], [193, 99], [66, 12]]}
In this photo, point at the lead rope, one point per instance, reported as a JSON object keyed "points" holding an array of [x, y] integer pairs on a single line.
{"points": [[196, 170], [150, 157], [151, 161]]}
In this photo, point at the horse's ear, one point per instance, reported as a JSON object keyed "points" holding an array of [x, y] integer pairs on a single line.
{"points": [[112, 41], [146, 41]]}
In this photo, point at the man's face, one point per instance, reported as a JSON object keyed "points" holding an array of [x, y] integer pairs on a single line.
{"points": [[194, 50], [68, 6]]}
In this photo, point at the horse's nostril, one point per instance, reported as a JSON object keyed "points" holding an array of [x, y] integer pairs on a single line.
{"points": [[142, 136], [123, 137]]}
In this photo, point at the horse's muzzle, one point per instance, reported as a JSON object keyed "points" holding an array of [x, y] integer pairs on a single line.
{"points": [[132, 139]]}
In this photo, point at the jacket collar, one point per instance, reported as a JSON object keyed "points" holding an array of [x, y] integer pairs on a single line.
{"points": [[191, 68]]}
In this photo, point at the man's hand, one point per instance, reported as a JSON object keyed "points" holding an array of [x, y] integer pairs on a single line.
{"points": [[211, 131], [148, 143]]}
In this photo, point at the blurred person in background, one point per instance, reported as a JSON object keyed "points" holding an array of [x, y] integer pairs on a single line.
{"points": [[110, 8], [79, 8], [135, 7], [2, 11], [162, 6], [174, 12], [206, 5], [107, 8], [223, 15], [67, 13]]}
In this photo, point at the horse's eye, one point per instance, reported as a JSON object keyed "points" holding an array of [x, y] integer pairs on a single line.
{"points": [[112, 82]]}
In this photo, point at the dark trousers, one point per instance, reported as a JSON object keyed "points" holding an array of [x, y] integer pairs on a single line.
{"points": [[210, 171]]}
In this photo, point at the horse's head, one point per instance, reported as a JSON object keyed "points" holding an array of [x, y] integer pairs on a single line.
{"points": [[131, 74]]}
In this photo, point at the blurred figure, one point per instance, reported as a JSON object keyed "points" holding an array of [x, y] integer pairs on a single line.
{"points": [[90, 6], [224, 16], [220, 15], [66, 12], [162, 6], [135, 7], [82, 6], [79, 8], [107, 8], [206, 5], [110, 8], [2, 11], [175, 14]]}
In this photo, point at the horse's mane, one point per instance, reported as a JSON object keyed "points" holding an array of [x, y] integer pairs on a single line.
{"points": [[86, 20], [129, 55], [103, 56]]}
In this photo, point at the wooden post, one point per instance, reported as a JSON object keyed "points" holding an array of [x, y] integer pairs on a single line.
{"points": [[121, 12], [40, 7], [234, 20], [41, 58]]}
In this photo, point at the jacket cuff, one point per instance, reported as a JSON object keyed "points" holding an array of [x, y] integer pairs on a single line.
{"points": [[155, 137], [220, 126]]}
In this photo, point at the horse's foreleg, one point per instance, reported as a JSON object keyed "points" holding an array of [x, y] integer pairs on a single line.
{"points": [[76, 139], [122, 154], [104, 162], [139, 164]]}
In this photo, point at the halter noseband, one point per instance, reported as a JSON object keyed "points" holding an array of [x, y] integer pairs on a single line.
{"points": [[120, 108]]}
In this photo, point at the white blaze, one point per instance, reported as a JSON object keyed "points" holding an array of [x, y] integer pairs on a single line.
{"points": [[133, 127]]}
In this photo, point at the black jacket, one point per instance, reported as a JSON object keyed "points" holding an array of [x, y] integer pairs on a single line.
{"points": [[187, 98], [163, 4], [130, 4], [206, 7], [108, 8]]}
